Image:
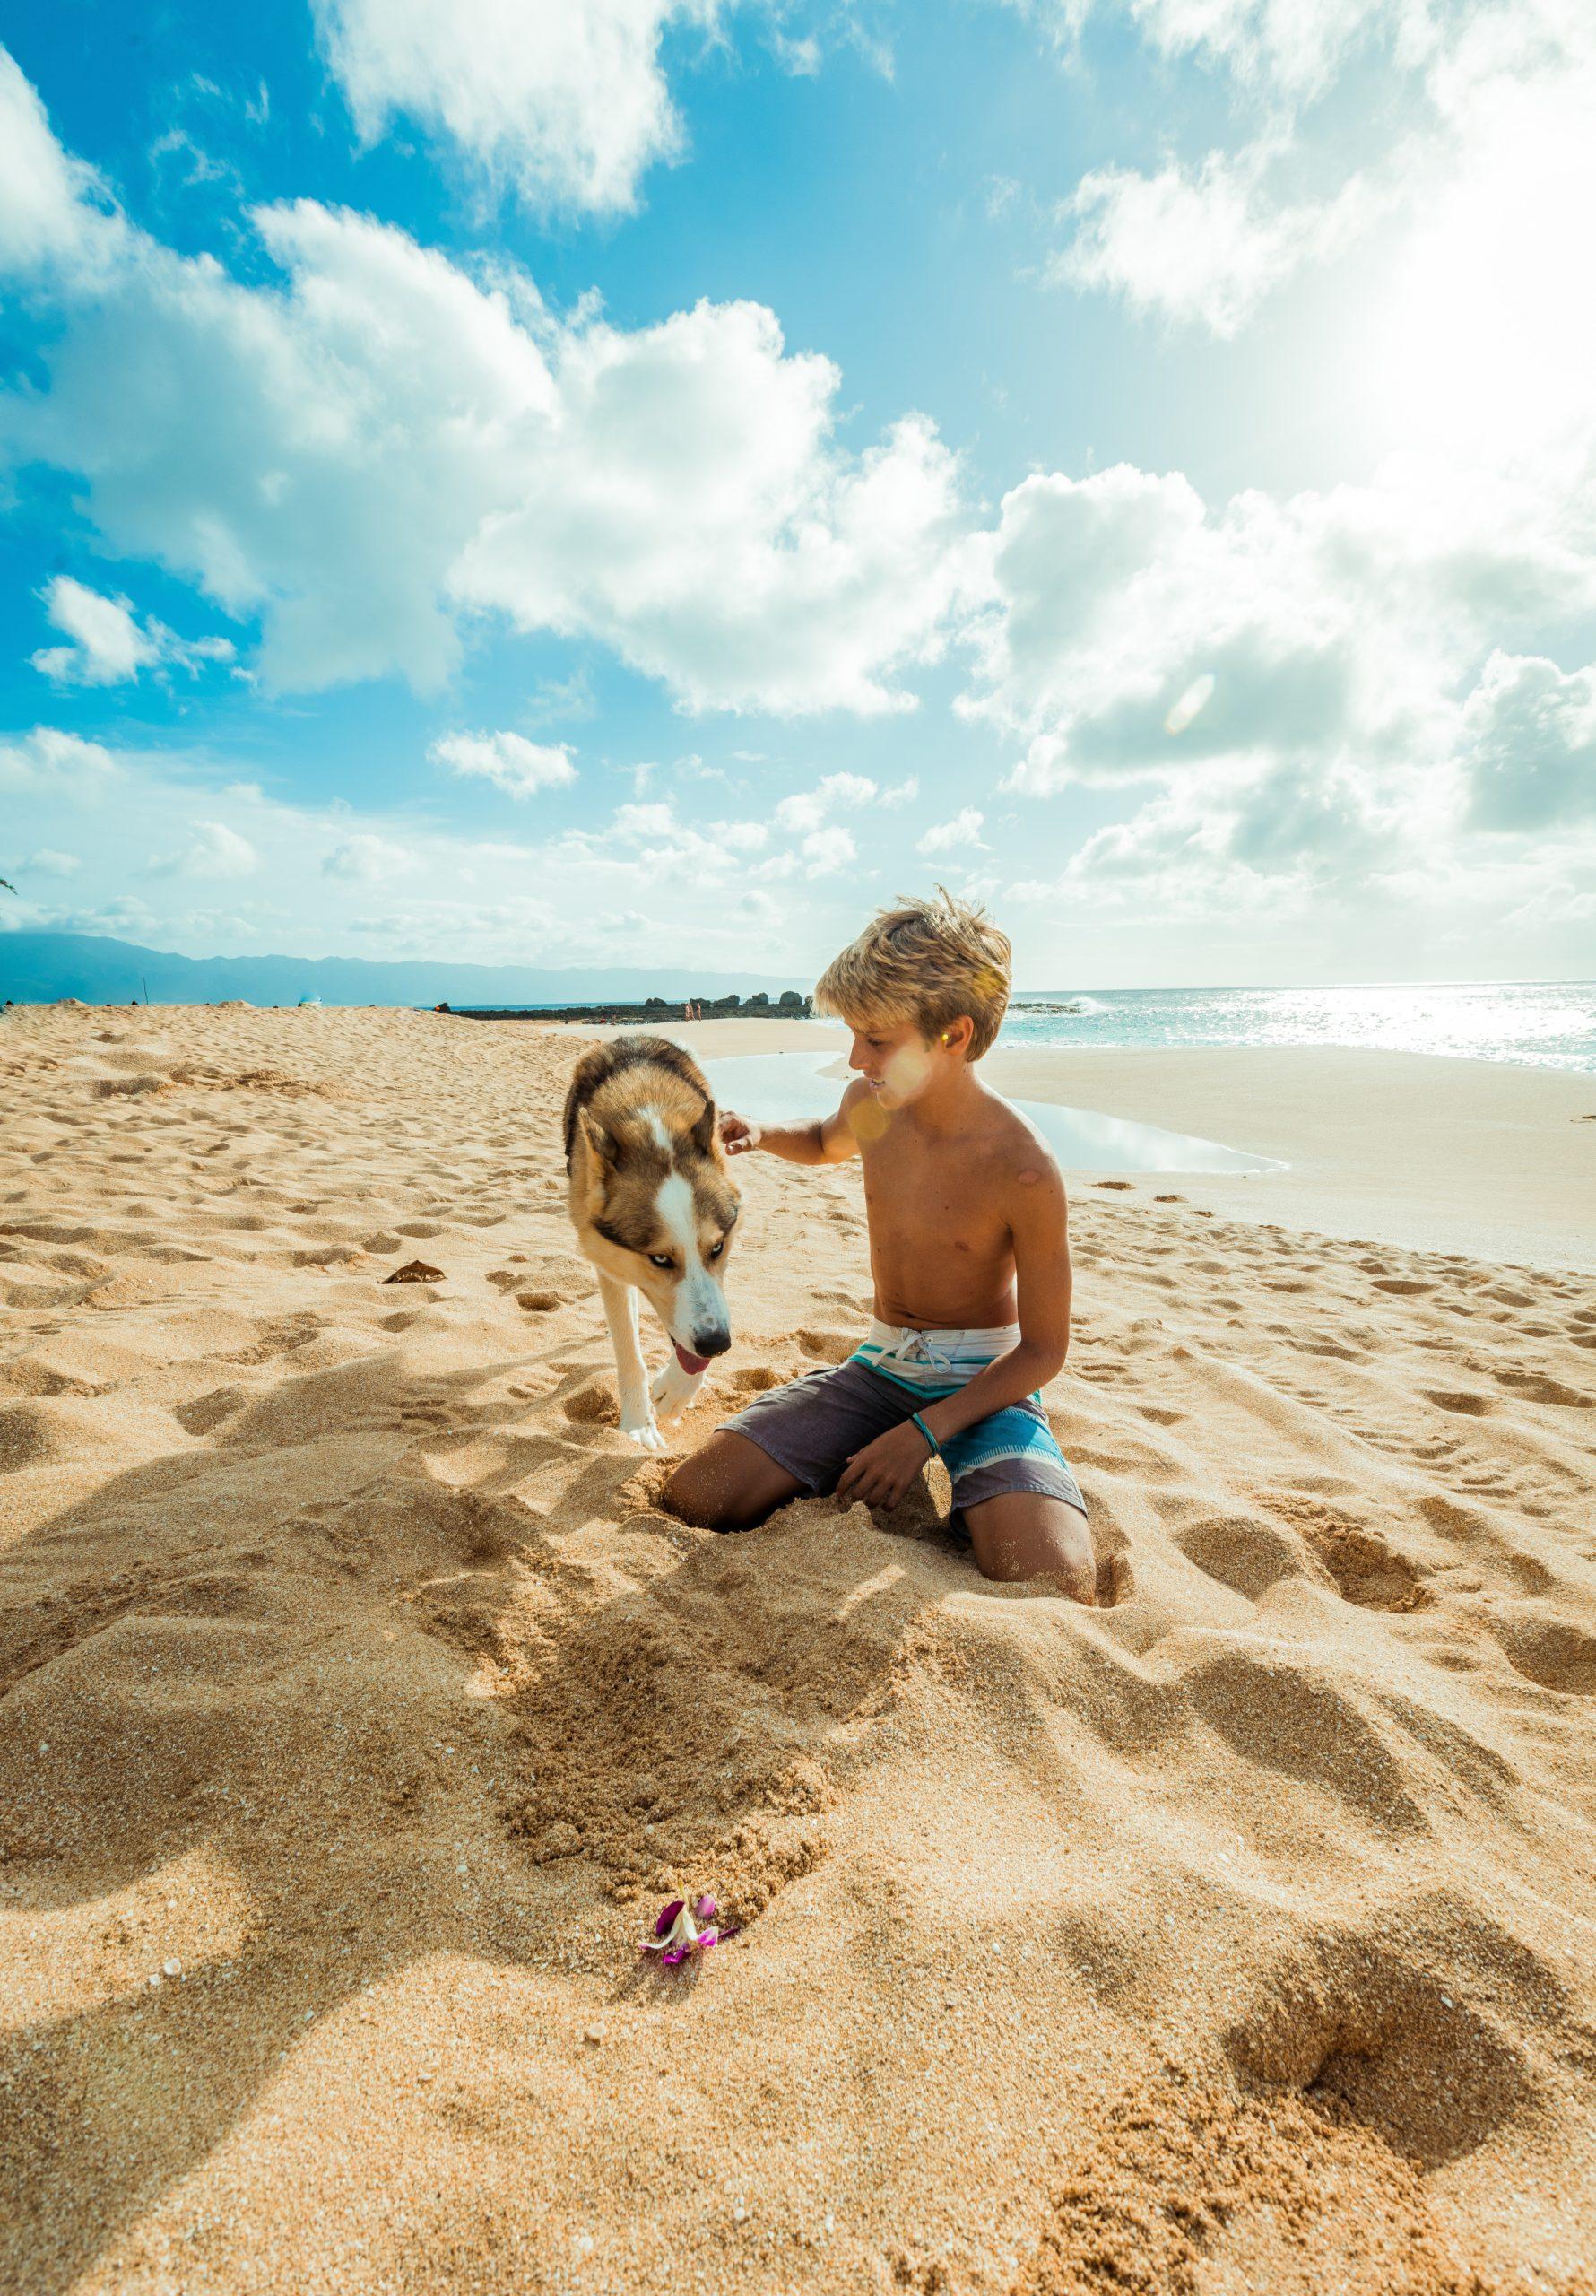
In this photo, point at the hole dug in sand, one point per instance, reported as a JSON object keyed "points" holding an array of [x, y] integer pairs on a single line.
{"points": [[1367, 2037], [686, 1734], [1301, 2168]]}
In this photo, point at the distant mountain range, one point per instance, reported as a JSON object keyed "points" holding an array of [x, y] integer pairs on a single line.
{"points": [[38, 968]]}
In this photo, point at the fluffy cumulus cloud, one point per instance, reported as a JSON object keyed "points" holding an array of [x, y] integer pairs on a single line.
{"points": [[49, 763], [1528, 745], [215, 850], [960, 835], [517, 765], [566, 104], [1321, 690], [367, 859], [49, 209], [1491, 97], [834, 793], [108, 643], [378, 447], [1203, 245]]}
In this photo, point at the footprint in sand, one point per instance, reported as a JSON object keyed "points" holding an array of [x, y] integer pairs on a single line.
{"points": [[1114, 1183], [1550, 1652], [1459, 1399], [1537, 1386]]}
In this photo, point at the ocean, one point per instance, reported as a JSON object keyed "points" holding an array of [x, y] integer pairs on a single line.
{"points": [[1540, 1024]]}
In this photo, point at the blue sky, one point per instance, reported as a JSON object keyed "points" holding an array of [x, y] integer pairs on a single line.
{"points": [[548, 485]]}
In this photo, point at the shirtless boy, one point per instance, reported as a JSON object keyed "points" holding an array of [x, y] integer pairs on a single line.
{"points": [[970, 1250]]}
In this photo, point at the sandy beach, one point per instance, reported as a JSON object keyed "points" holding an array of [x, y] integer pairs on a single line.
{"points": [[360, 1706]]}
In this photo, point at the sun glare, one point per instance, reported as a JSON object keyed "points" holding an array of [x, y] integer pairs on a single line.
{"points": [[1485, 336]]}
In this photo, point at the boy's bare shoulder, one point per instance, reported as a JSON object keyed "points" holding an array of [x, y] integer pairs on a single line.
{"points": [[1020, 1157]]}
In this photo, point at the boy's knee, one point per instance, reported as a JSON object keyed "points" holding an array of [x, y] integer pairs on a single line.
{"points": [[701, 1494], [1018, 1543], [687, 1494], [1007, 1566]]}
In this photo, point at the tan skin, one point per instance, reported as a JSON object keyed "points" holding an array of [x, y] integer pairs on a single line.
{"points": [[968, 1228]]}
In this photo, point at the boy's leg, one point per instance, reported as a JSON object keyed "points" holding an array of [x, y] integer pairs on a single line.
{"points": [[1026, 1535], [728, 1485], [787, 1443], [1017, 1498]]}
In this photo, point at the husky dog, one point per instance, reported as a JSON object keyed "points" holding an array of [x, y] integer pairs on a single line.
{"points": [[655, 1209]]}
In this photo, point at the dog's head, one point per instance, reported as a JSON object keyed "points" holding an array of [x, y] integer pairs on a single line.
{"points": [[661, 1212]]}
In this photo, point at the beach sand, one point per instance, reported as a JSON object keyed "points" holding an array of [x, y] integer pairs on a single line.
{"points": [[359, 1705]]}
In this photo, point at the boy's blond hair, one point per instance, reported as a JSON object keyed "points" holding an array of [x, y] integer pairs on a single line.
{"points": [[928, 961]]}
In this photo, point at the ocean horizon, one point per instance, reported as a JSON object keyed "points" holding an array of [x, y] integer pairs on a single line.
{"points": [[1538, 1024]]}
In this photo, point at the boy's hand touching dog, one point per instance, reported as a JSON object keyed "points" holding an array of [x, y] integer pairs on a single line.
{"points": [[738, 1135]]}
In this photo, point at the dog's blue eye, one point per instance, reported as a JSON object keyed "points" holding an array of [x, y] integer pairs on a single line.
{"points": [[660, 1259]]}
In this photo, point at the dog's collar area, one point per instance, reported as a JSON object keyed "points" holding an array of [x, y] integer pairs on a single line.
{"points": [[692, 1364]]}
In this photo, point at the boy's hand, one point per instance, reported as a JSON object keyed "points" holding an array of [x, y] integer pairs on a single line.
{"points": [[883, 1470], [737, 1134]]}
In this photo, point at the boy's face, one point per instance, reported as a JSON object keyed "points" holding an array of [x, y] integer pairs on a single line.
{"points": [[895, 1060]]}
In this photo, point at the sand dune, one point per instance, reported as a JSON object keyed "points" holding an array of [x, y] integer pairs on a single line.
{"points": [[358, 1703]]}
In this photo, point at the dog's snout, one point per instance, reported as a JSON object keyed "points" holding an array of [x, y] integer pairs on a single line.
{"points": [[713, 1342]]}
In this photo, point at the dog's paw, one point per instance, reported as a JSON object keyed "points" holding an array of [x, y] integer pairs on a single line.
{"points": [[645, 1435], [674, 1389]]}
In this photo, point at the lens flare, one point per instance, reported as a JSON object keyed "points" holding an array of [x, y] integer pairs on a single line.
{"points": [[1195, 699]]}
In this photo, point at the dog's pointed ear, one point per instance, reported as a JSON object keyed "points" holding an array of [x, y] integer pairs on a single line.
{"points": [[703, 1134], [601, 1144]]}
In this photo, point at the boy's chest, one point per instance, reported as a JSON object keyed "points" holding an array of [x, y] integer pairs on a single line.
{"points": [[916, 1195]]}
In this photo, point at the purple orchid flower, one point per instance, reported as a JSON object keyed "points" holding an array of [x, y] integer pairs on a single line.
{"points": [[681, 1932]]}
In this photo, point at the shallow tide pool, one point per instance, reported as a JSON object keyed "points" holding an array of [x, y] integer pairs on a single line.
{"points": [[795, 1087]]}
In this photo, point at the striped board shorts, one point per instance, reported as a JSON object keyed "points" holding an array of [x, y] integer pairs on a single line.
{"points": [[812, 1428]]}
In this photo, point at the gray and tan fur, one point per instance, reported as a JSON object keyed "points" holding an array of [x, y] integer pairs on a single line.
{"points": [[655, 1209]]}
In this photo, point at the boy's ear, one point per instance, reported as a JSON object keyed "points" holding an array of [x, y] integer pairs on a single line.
{"points": [[956, 1037]]}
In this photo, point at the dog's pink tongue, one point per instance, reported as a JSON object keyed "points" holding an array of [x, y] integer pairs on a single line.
{"points": [[692, 1364]]}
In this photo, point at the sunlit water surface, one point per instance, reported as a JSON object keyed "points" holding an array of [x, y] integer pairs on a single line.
{"points": [[797, 1087], [1543, 1024]]}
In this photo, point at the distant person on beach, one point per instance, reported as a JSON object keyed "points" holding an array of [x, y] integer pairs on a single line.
{"points": [[970, 1250]]}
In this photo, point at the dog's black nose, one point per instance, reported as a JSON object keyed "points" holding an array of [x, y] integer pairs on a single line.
{"points": [[712, 1343]]}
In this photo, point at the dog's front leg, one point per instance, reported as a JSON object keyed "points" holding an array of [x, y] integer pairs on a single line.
{"points": [[631, 1373], [675, 1390]]}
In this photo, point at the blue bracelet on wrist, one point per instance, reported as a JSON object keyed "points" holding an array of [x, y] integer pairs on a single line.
{"points": [[936, 1448]]}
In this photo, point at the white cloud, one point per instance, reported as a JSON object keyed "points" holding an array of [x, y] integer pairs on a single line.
{"points": [[957, 836], [566, 103], [107, 647], [1329, 695], [807, 809], [46, 758], [368, 859], [215, 851], [48, 863], [517, 765], [49, 201], [1482, 103], [826, 849], [1207, 245], [109, 644], [381, 447], [1529, 745]]}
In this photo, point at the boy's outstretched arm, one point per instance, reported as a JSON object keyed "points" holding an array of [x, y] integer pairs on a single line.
{"points": [[831, 1140], [1038, 1222]]}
